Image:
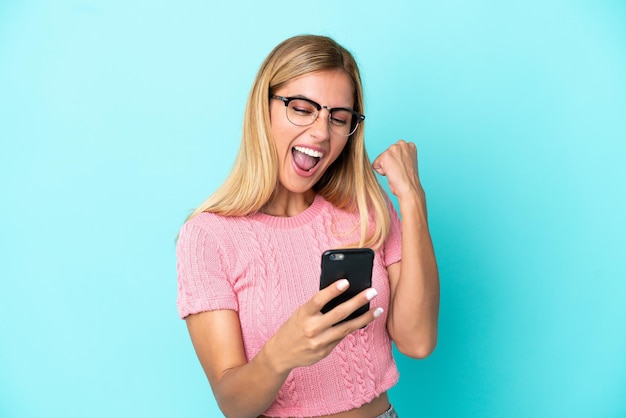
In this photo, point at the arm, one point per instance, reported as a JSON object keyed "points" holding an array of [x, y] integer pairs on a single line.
{"points": [[241, 388], [414, 282], [247, 388]]}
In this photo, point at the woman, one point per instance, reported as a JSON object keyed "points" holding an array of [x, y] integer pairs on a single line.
{"points": [[249, 257]]}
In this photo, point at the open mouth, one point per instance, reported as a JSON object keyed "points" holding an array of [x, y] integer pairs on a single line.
{"points": [[305, 158]]}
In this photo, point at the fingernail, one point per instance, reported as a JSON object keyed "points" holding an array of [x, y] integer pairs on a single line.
{"points": [[378, 312], [342, 284], [371, 293]]}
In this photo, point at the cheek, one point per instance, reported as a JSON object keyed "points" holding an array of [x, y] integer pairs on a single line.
{"points": [[339, 146], [282, 137], [279, 130]]}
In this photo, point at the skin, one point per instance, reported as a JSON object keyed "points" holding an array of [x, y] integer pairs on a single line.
{"points": [[247, 388]]}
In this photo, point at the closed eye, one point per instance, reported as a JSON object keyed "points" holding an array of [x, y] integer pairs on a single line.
{"points": [[302, 110], [338, 121], [302, 107], [340, 117]]}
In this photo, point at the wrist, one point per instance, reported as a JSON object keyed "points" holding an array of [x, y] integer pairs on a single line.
{"points": [[275, 364], [413, 201]]}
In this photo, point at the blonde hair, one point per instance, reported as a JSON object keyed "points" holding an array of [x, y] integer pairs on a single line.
{"points": [[349, 183]]}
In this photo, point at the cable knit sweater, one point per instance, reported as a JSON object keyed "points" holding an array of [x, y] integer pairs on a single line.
{"points": [[264, 267]]}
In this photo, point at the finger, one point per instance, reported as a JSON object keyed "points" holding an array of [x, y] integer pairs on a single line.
{"points": [[378, 166], [378, 169], [345, 309], [321, 298], [345, 328], [413, 150]]}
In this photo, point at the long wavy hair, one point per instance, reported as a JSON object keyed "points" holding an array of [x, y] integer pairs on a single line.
{"points": [[349, 183]]}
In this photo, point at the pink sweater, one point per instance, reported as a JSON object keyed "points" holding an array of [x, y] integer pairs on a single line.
{"points": [[264, 267]]}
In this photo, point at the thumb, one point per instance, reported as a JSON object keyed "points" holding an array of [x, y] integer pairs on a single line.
{"points": [[378, 167]]}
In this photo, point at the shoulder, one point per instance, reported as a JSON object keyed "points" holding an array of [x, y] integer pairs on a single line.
{"points": [[212, 230], [207, 219], [212, 222]]}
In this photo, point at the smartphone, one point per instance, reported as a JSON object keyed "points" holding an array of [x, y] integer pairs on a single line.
{"points": [[353, 264]]}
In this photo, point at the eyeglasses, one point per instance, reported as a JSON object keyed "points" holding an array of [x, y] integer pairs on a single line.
{"points": [[303, 112]]}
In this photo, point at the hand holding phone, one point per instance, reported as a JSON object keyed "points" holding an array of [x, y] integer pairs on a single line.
{"points": [[353, 264]]}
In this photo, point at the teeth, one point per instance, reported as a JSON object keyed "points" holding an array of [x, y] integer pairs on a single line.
{"points": [[309, 152]]}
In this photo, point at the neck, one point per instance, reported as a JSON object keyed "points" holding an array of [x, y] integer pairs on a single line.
{"points": [[287, 204]]}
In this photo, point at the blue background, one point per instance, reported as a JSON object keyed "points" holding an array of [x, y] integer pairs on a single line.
{"points": [[117, 118]]}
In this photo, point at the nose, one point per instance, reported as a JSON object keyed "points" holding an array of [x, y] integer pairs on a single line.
{"points": [[321, 126]]}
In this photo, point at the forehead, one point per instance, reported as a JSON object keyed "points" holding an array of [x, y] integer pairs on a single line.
{"points": [[330, 88]]}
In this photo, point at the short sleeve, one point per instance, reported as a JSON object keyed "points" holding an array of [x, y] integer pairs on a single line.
{"points": [[392, 249], [203, 280]]}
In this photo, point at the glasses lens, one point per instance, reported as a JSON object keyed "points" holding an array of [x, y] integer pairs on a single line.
{"points": [[301, 112], [341, 122]]}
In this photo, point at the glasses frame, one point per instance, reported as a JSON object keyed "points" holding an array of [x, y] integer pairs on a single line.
{"points": [[357, 117]]}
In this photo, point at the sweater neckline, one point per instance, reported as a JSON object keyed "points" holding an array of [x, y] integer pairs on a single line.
{"points": [[292, 221]]}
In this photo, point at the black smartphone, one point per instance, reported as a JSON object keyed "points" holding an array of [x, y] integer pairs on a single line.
{"points": [[353, 264]]}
